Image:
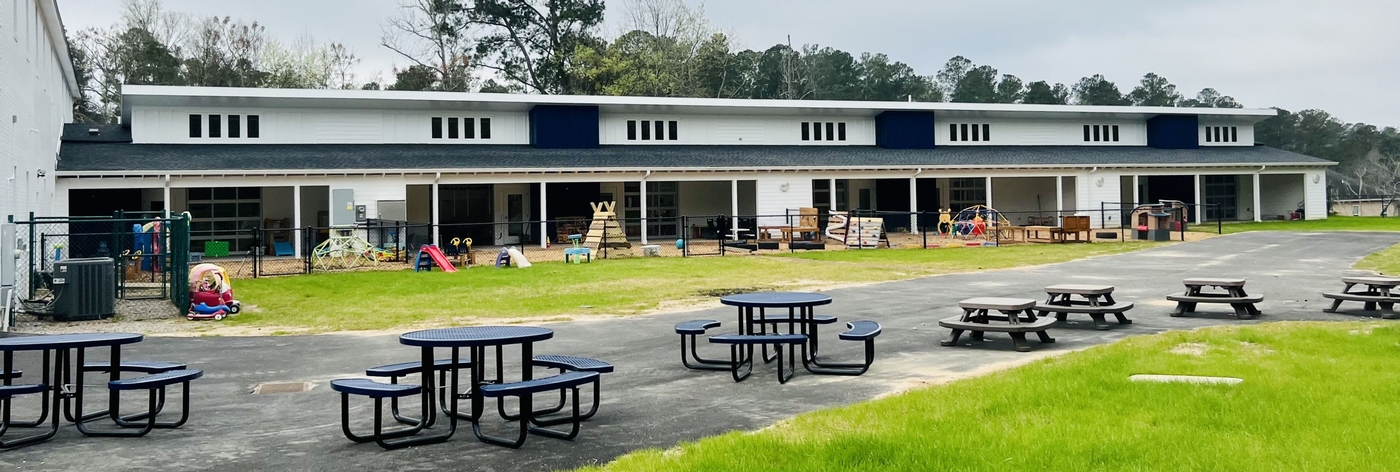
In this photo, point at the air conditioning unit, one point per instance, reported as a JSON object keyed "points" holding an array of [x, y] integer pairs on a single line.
{"points": [[84, 289]]}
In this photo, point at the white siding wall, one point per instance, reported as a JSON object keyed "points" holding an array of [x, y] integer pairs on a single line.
{"points": [[1245, 133], [714, 129], [773, 199], [34, 104], [1050, 132], [320, 126], [1095, 189], [1019, 196], [1315, 200]]}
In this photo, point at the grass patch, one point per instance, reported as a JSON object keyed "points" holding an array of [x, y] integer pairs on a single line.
{"points": [[1316, 396], [1335, 223], [1385, 261], [381, 300]]}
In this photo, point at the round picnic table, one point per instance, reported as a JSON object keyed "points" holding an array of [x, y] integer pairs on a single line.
{"points": [[476, 339], [58, 366], [800, 318], [1374, 284], [1376, 295]]}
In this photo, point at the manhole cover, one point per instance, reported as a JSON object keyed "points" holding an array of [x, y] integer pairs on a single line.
{"points": [[281, 387]]}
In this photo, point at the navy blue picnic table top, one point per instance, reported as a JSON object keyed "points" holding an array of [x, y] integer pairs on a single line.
{"points": [[776, 299], [476, 336], [67, 341]]}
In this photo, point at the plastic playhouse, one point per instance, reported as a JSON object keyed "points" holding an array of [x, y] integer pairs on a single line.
{"points": [[1157, 221]]}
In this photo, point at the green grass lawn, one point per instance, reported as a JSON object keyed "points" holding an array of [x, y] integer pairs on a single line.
{"points": [[1335, 223], [380, 300], [1386, 261], [1316, 396]]}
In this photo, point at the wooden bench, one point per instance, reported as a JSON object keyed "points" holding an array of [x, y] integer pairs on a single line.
{"points": [[1234, 295], [1097, 302], [525, 391], [741, 352], [864, 331], [975, 318]]}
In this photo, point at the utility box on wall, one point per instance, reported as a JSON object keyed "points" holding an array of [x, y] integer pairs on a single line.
{"points": [[84, 289], [342, 206]]}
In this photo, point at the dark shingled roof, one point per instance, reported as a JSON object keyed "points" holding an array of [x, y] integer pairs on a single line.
{"points": [[81, 156], [91, 133]]}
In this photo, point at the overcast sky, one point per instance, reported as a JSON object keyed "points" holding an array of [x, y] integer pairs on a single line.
{"points": [[1342, 56]]}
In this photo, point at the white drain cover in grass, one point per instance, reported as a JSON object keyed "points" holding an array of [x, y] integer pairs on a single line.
{"points": [[1195, 379]]}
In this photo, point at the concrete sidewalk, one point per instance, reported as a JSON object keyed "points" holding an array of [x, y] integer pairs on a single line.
{"points": [[653, 402]]}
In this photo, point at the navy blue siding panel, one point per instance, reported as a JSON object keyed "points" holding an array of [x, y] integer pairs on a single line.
{"points": [[1172, 132], [564, 127], [904, 130]]}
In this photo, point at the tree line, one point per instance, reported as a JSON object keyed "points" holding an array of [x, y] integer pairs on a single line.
{"points": [[665, 48]]}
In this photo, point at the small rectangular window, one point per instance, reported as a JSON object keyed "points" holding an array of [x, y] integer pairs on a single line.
{"points": [[485, 128], [1356, 210], [1115, 133], [216, 127], [841, 131], [454, 129], [1086, 134], [806, 131], [233, 126], [1096, 134], [672, 133], [660, 129], [196, 126], [469, 128], [831, 131], [952, 132], [253, 126], [964, 133], [1217, 135], [646, 130], [816, 131], [437, 128], [976, 133], [986, 132], [1208, 134], [1234, 134], [631, 130]]}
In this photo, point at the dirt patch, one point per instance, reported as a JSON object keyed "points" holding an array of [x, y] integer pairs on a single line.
{"points": [[1256, 349], [1189, 349]]}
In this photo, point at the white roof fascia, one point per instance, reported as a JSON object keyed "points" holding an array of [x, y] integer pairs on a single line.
{"points": [[54, 25]]}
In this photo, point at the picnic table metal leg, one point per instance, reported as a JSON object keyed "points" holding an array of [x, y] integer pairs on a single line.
{"points": [[409, 437], [1335, 304], [698, 363], [791, 364], [740, 358]]}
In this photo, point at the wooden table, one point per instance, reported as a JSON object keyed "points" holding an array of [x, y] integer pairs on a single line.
{"points": [[1033, 232], [1376, 295], [1233, 294], [1096, 301]]}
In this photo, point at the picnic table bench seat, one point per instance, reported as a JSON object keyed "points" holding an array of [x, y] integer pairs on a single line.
{"points": [[413, 367], [864, 331], [377, 391], [573, 364], [741, 352], [155, 385], [525, 390], [1244, 306], [7, 393], [690, 357], [1095, 312], [956, 322], [816, 319], [142, 367], [1384, 303]]}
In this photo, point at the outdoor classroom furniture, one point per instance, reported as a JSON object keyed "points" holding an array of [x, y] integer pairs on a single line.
{"points": [[1018, 320], [1234, 295], [577, 253], [801, 320], [1377, 294], [1097, 301], [64, 359]]}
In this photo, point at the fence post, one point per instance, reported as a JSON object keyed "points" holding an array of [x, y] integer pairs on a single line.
{"points": [[257, 250]]}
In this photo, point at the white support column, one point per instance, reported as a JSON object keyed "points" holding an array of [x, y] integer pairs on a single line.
{"points": [[914, 204], [544, 215], [989, 192], [437, 212], [1137, 191], [831, 195], [1259, 216], [1059, 198], [734, 204], [167, 196], [1200, 200], [644, 211], [296, 221]]}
